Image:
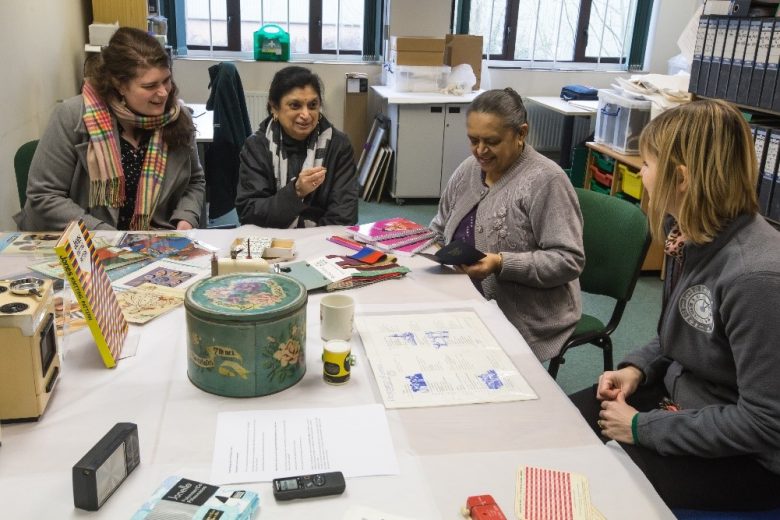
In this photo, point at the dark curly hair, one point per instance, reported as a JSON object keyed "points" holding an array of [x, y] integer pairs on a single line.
{"points": [[128, 52]]}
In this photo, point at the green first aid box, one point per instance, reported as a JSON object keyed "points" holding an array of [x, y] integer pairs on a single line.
{"points": [[272, 43]]}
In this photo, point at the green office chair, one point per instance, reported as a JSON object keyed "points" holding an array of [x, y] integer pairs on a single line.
{"points": [[22, 160], [616, 237]]}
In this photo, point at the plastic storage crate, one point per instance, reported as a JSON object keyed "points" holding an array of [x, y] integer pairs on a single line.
{"points": [[598, 188], [630, 181], [603, 162], [620, 120], [602, 177], [412, 78]]}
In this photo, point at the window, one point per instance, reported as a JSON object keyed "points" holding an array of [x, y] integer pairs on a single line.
{"points": [[552, 33], [315, 26]]}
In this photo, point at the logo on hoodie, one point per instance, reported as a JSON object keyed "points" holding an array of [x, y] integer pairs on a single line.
{"points": [[696, 308]]}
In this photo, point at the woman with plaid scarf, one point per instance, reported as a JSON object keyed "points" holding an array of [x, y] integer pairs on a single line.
{"points": [[121, 155]]}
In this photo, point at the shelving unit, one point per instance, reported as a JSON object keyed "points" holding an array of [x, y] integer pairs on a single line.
{"points": [[655, 255]]}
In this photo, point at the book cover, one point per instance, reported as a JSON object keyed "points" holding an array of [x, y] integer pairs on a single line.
{"points": [[456, 253], [92, 289], [386, 228], [30, 243]]}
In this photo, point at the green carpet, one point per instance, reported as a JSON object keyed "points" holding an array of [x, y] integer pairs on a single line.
{"points": [[583, 364]]}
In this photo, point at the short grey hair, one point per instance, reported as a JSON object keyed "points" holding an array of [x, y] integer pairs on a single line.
{"points": [[505, 104]]}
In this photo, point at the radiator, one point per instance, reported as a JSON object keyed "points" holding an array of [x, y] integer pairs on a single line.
{"points": [[256, 106], [544, 128]]}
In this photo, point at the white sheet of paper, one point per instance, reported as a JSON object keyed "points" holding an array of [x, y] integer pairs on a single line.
{"points": [[166, 273], [261, 445], [438, 358], [329, 268]]}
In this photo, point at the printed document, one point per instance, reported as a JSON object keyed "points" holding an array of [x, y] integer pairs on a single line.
{"points": [[438, 358], [261, 445]]}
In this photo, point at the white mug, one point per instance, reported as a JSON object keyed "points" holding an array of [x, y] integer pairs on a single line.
{"points": [[337, 313]]}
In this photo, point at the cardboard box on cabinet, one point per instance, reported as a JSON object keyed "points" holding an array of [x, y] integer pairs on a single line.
{"points": [[416, 50]]}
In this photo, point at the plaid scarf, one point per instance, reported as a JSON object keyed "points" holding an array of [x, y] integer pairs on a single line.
{"points": [[104, 161]]}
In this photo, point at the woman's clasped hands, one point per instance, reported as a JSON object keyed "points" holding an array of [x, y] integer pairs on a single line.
{"points": [[616, 415]]}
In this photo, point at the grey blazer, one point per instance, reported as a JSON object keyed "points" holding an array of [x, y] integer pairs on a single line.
{"points": [[58, 182]]}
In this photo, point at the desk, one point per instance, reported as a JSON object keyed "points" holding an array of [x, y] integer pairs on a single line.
{"points": [[444, 454], [204, 122], [569, 111], [428, 137]]}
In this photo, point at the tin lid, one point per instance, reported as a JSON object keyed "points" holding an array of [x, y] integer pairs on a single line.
{"points": [[245, 296]]}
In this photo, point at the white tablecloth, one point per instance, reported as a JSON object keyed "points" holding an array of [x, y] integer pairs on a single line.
{"points": [[445, 454]]}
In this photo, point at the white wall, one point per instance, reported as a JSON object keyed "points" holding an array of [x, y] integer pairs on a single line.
{"points": [[43, 70], [432, 18], [42, 55]]}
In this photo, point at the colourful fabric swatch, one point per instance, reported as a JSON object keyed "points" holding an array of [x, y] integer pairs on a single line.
{"points": [[346, 242], [369, 256]]}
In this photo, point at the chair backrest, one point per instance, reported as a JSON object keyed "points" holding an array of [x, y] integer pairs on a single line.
{"points": [[22, 160], [616, 236]]}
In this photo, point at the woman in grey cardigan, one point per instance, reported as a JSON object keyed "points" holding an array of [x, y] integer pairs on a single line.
{"points": [[121, 155], [519, 207]]}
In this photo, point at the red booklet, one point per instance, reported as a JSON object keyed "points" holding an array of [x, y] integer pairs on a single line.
{"points": [[385, 229]]}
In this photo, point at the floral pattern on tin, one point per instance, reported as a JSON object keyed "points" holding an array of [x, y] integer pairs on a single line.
{"points": [[244, 294], [282, 357]]}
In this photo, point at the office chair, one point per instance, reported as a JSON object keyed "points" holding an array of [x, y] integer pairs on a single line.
{"points": [[616, 237], [22, 160]]}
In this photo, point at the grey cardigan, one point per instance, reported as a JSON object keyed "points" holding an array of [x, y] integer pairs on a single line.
{"points": [[532, 217], [58, 182]]}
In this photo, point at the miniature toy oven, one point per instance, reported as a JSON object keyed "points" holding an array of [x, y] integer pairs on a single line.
{"points": [[29, 360]]}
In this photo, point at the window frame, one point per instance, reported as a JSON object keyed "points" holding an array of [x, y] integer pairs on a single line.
{"points": [[634, 58], [370, 32]]}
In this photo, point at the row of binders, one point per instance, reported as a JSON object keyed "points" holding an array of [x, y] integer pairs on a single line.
{"points": [[738, 59], [767, 145]]}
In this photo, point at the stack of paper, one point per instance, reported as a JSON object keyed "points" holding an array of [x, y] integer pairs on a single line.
{"points": [[548, 494]]}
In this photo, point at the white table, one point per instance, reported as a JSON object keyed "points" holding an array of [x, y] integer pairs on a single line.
{"points": [[570, 110], [445, 454]]}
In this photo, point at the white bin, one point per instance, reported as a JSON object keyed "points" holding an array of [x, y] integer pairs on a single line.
{"points": [[620, 120]]}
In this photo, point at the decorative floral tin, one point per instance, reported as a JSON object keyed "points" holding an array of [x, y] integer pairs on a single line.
{"points": [[246, 333]]}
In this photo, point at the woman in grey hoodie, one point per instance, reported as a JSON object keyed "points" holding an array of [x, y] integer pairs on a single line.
{"points": [[698, 408]]}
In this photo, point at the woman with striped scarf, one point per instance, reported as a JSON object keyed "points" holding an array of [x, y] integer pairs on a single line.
{"points": [[121, 155]]}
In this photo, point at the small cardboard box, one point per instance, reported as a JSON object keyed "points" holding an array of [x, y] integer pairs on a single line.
{"points": [[464, 48], [416, 50]]}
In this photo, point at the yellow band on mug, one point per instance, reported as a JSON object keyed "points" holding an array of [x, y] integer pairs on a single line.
{"points": [[337, 361]]}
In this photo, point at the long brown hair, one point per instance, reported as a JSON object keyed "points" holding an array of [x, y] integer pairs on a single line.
{"points": [[712, 141], [128, 52]]}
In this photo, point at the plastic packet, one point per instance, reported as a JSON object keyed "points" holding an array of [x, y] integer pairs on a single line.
{"points": [[461, 80], [183, 499]]}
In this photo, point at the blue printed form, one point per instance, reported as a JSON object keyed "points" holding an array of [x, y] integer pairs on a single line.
{"points": [[437, 359]]}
